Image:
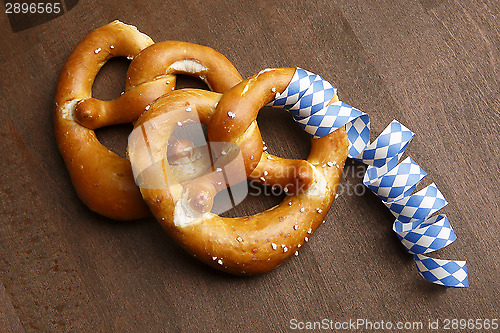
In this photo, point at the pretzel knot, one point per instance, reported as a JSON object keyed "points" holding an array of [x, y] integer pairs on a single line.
{"points": [[103, 180], [180, 189]]}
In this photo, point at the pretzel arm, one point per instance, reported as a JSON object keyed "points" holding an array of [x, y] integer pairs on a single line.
{"points": [[292, 175], [94, 113]]}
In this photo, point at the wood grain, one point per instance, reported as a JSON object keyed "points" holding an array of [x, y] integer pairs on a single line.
{"points": [[431, 64]]}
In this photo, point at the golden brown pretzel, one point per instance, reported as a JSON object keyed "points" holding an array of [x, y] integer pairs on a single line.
{"points": [[102, 179], [242, 245]]}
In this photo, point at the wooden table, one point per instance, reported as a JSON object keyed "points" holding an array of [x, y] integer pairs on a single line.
{"points": [[431, 64]]}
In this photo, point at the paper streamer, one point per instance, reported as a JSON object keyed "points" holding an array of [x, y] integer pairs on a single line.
{"points": [[306, 98]]}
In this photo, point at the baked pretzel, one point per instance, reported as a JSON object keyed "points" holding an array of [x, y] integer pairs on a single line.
{"points": [[103, 180], [241, 245]]}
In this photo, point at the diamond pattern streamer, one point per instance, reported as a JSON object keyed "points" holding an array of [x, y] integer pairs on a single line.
{"points": [[444, 272], [358, 132], [418, 206], [398, 182], [390, 143], [299, 84], [315, 98], [429, 236], [307, 97]]}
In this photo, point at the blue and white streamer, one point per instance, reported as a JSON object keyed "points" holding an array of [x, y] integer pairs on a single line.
{"points": [[307, 97]]}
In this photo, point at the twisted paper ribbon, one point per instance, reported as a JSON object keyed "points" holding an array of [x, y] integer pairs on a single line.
{"points": [[307, 97]]}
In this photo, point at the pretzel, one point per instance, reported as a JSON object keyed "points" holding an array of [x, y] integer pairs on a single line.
{"points": [[103, 180], [241, 245]]}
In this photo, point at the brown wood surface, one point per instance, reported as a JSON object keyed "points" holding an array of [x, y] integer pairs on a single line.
{"points": [[431, 64]]}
